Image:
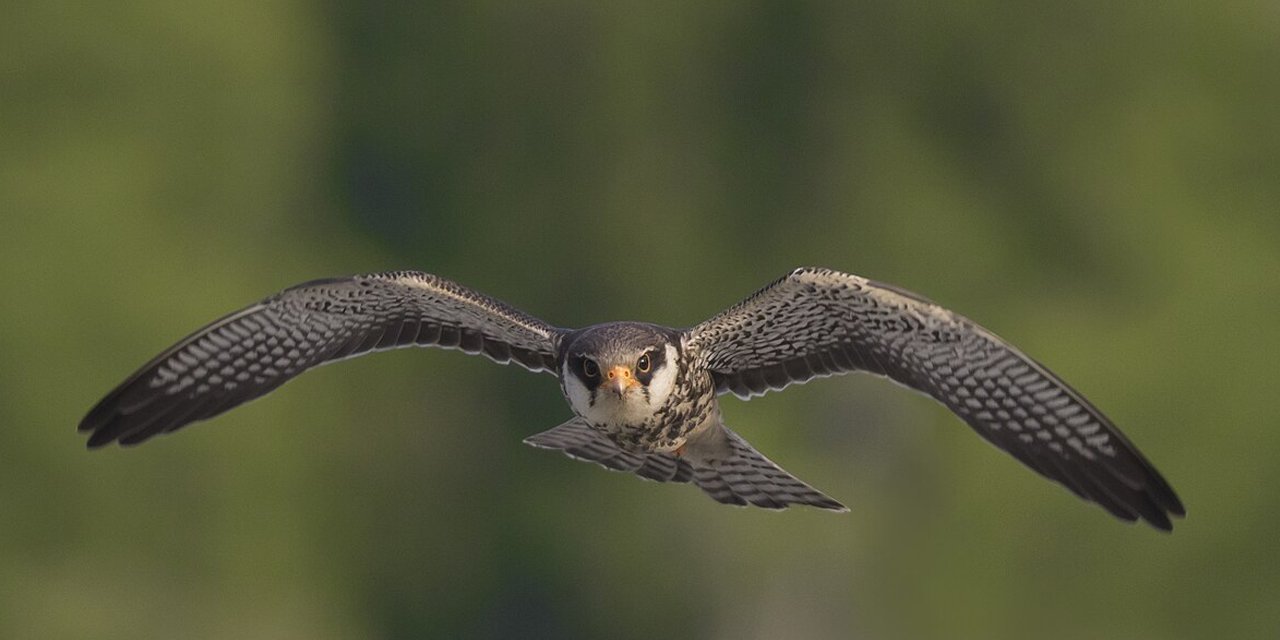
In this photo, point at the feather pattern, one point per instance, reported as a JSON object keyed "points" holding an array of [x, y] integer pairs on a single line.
{"points": [[818, 322], [717, 460], [252, 351], [579, 441]]}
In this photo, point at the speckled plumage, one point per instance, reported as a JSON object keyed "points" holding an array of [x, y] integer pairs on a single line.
{"points": [[645, 397]]}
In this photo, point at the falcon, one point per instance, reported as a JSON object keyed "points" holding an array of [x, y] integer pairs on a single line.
{"points": [[645, 397]]}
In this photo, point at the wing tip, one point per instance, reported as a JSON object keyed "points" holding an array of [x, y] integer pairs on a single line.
{"points": [[1161, 501], [833, 506], [96, 422], [1153, 503], [102, 413], [1170, 507], [98, 439], [1164, 495]]}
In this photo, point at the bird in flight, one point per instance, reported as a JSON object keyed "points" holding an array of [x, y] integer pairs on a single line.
{"points": [[645, 397]]}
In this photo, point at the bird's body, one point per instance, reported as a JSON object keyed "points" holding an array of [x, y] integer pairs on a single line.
{"points": [[645, 397]]}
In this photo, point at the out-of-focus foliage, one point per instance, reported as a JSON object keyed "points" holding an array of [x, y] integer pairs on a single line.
{"points": [[1098, 182]]}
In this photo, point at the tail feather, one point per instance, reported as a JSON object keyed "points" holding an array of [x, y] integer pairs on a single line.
{"points": [[664, 467], [731, 471], [580, 442], [718, 460]]}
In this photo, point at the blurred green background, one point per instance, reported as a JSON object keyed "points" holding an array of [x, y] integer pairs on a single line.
{"points": [[1096, 182]]}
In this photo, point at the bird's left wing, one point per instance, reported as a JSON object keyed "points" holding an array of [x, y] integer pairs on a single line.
{"points": [[818, 322], [252, 351]]}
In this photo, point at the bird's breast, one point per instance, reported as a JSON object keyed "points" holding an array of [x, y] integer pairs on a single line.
{"points": [[663, 428]]}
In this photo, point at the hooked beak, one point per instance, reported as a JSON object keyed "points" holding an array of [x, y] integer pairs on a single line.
{"points": [[619, 380]]}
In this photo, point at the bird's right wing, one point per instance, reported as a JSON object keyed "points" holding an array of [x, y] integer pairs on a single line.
{"points": [[819, 322], [250, 352]]}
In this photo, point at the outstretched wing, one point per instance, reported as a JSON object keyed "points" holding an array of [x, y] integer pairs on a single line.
{"points": [[818, 322], [250, 352]]}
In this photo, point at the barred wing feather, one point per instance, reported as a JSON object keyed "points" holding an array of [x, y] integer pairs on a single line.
{"points": [[248, 353], [818, 322]]}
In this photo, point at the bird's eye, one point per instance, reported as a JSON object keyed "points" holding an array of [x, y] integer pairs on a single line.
{"points": [[643, 364], [590, 368]]}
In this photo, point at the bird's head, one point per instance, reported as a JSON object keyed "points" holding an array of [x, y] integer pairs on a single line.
{"points": [[619, 373]]}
